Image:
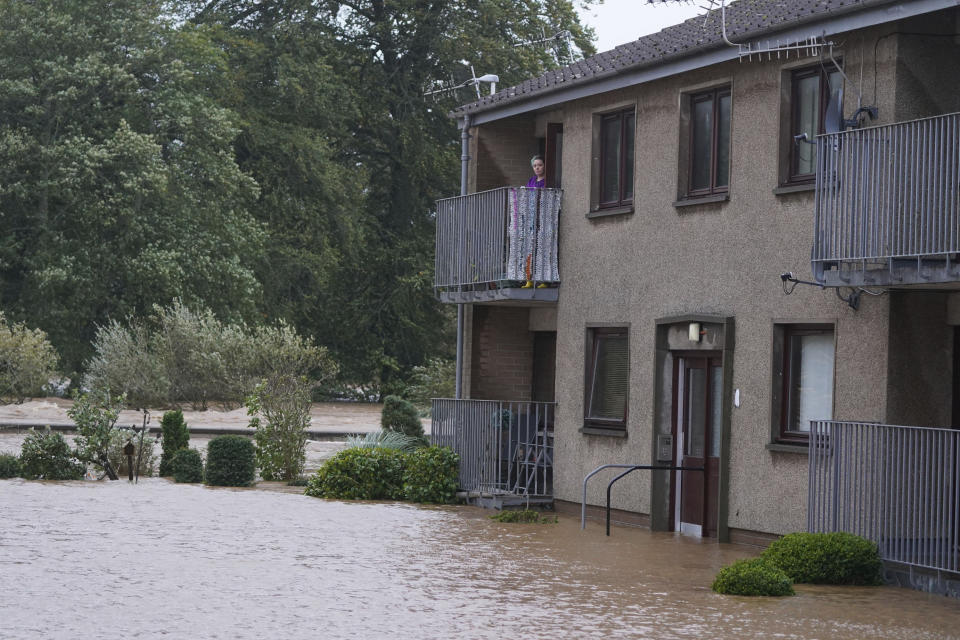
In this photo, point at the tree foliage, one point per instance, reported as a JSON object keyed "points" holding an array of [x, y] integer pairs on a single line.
{"points": [[27, 362]]}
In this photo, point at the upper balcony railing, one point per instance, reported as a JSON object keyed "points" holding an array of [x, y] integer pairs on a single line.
{"points": [[887, 210], [498, 244]]}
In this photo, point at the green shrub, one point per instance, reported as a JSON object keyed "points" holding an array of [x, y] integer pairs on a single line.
{"points": [[230, 462], [9, 466], [401, 416], [826, 558], [360, 474], [118, 459], [46, 455], [431, 475], [386, 440], [95, 415], [27, 362], [526, 516], [280, 414], [186, 465], [175, 436], [752, 577]]}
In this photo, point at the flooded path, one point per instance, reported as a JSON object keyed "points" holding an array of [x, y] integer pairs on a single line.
{"points": [[92, 560]]}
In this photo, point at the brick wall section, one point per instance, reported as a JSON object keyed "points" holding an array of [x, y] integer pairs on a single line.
{"points": [[502, 358], [504, 149]]}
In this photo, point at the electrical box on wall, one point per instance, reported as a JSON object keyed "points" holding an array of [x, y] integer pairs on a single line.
{"points": [[664, 447]]}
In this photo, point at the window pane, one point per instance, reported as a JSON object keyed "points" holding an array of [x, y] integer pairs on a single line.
{"points": [[608, 395], [716, 410], [811, 380], [702, 144], [723, 142], [610, 152], [630, 126], [807, 109]]}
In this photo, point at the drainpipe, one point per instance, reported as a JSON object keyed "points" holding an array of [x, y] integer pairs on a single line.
{"points": [[464, 173]]}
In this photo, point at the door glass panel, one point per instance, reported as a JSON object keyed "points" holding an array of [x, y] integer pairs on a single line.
{"points": [[696, 414], [716, 406]]}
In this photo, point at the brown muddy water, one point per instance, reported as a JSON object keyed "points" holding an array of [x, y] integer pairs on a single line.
{"points": [[99, 559]]}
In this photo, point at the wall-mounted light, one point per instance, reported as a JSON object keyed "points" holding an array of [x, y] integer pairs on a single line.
{"points": [[694, 332]]}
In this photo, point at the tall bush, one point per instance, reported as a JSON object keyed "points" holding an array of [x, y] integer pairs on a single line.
{"points": [[280, 414], [46, 455], [401, 415], [95, 415], [230, 462], [175, 436], [27, 362]]}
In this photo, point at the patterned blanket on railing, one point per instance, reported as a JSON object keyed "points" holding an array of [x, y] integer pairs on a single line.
{"points": [[532, 220]]}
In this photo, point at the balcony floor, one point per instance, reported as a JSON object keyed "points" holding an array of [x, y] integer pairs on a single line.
{"points": [[516, 295], [936, 271]]}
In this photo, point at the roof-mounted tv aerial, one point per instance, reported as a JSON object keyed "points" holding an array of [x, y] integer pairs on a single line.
{"points": [[440, 87], [559, 43]]}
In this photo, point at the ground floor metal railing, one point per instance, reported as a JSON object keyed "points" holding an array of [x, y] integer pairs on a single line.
{"points": [[898, 486], [505, 447]]}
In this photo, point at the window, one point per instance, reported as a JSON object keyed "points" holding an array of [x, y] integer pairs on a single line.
{"points": [[607, 379], [803, 389], [616, 158], [709, 171], [811, 90]]}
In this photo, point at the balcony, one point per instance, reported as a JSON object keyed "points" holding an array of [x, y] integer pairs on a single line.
{"points": [[898, 486], [887, 211], [505, 448], [498, 245]]}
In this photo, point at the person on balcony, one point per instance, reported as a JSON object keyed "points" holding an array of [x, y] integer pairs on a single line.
{"points": [[539, 178]]}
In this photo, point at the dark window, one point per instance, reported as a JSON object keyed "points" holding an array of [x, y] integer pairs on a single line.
{"points": [[807, 379], [607, 379], [616, 158], [810, 92], [709, 142]]}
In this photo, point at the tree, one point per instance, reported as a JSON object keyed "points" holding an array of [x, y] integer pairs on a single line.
{"points": [[118, 185]]}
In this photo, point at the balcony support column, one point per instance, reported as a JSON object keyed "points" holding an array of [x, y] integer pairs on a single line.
{"points": [[464, 176]]}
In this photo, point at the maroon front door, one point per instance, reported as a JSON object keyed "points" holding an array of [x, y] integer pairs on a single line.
{"points": [[697, 411]]}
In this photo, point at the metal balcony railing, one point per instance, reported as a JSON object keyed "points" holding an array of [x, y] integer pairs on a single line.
{"points": [[898, 486], [505, 448], [502, 238], [887, 205]]}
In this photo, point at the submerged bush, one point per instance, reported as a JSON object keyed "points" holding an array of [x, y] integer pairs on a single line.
{"points": [[360, 474], [9, 466], [27, 362], [46, 455], [279, 410], [525, 516], [826, 558], [753, 577], [118, 459], [175, 436], [186, 465], [230, 462], [431, 475], [401, 416]]}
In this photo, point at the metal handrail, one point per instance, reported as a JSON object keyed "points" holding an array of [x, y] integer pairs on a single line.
{"points": [[630, 468]]}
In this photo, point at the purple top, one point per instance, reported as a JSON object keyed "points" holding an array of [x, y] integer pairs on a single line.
{"points": [[533, 183]]}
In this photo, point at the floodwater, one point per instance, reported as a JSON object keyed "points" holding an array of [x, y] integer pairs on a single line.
{"points": [[99, 559]]}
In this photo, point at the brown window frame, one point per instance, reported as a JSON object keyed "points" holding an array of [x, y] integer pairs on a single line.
{"points": [[620, 117], [715, 95], [784, 433], [793, 175], [595, 334]]}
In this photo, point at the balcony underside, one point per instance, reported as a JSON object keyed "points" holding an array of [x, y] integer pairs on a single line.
{"points": [[913, 272], [533, 296]]}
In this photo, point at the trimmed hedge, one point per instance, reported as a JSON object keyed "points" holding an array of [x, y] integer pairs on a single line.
{"points": [[431, 475], [230, 462], [359, 473], [47, 455], [753, 577], [826, 558], [9, 466], [186, 465], [176, 436]]}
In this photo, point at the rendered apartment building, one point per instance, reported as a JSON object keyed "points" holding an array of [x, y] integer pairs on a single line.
{"points": [[746, 261]]}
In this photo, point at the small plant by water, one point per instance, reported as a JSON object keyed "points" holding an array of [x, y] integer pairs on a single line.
{"points": [[230, 462], [826, 558], [9, 466], [186, 466], [753, 577], [46, 455], [527, 516]]}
